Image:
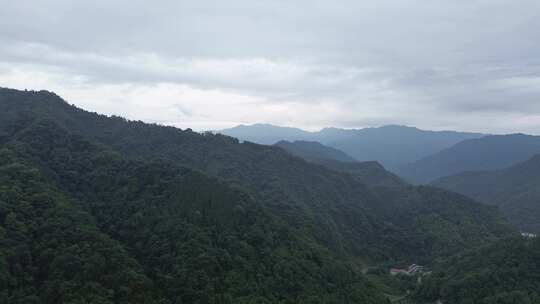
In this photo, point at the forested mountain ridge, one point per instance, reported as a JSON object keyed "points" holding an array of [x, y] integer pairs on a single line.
{"points": [[485, 153], [370, 173], [51, 250], [393, 146], [516, 190], [340, 211], [313, 151], [156, 190], [146, 232], [506, 272]]}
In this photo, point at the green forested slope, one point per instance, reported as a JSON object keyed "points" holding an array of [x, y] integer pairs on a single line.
{"points": [[336, 208], [370, 173], [516, 190], [201, 218], [507, 272], [138, 232], [313, 151], [51, 250]]}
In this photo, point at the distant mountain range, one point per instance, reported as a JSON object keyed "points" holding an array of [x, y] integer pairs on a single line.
{"points": [[314, 151], [515, 189], [267, 134], [98, 209], [486, 153], [393, 146], [500, 170]]}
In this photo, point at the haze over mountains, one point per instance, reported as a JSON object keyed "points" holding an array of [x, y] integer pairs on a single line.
{"points": [[500, 170], [203, 218], [314, 151], [417, 155], [516, 190], [125, 177], [392, 146], [370, 173], [485, 153]]}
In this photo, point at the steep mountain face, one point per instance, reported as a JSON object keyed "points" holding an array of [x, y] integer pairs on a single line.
{"points": [[51, 250], [80, 223], [202, 216], [392, 146], [313, 151], [341, 212], [505, 272], [370, 173], [516, 190], [486, 153]]}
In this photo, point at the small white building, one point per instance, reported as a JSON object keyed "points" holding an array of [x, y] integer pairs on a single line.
{"points": [[528, 235], [410, 271]]}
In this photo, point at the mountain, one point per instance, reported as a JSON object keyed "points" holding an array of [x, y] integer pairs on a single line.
{"points": [[313, 151], [392, 146], [101, 209], [516, 190], [341, 212], [505, 272], [80, 223], [486, 153], [267, 134], [370, 173]]}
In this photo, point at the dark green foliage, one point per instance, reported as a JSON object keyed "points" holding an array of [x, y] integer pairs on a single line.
{"points": [[51, 250], [196, 239], [314, 151], [202, 218], [507, 272], [336, 209], [370, 173], [516, 190]]}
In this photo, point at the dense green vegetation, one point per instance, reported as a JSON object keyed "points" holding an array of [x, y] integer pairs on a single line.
{"points": [[370, 173], [313, 151], [52, 251], [507, 272], [178, 236], [516, 190], [140, 213], [335, 208]]}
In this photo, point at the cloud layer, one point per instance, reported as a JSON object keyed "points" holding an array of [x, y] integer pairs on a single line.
{"points": [[466, 65]]}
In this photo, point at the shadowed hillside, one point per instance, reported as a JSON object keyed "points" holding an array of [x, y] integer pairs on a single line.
{"points": [[516, 190], [202, 216], [486, 153]]}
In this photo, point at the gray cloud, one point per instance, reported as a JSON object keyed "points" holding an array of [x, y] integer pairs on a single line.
{"points": [[435, 64]]}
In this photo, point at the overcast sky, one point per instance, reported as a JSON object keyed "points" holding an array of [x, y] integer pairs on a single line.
{"points": [[453, 64]]}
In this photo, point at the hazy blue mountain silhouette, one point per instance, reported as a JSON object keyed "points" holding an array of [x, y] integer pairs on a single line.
{"points": [[515, 189], [486, 153], [370, 173], [312, 150], [393, 146]]}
